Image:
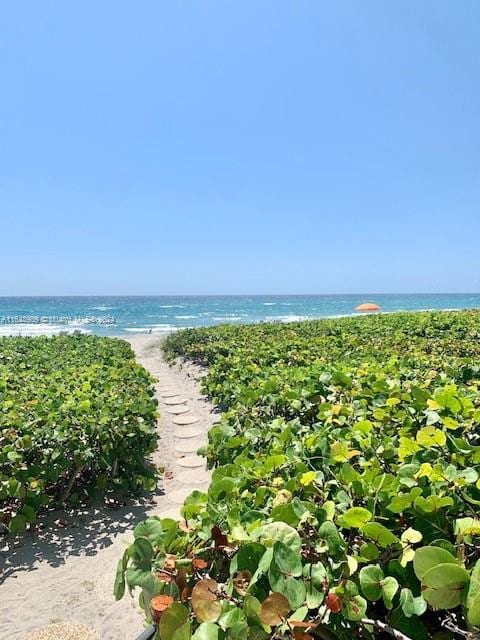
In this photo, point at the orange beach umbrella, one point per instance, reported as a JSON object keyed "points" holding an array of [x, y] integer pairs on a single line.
{"points": [[368, 306]]}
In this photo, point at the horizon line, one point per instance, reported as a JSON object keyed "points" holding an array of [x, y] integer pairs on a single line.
{"points": [[241, 295]]}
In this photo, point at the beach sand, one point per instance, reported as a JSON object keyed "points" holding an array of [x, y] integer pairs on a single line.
{"points": [[65, 570]]}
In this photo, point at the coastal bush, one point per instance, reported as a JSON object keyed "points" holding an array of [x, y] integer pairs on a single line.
{"points": [[345, 492], [77, 416]]}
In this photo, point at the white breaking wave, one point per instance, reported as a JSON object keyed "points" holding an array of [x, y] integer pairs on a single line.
{"points": [[287, 318], [185, 317], [37, 329], [165, 328]]}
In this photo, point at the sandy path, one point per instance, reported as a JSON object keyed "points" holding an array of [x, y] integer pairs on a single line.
{"points": [[65, 570]]}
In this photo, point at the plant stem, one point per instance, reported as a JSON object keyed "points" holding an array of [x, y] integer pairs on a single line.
{"points": [[398, 635], [70, 484]]}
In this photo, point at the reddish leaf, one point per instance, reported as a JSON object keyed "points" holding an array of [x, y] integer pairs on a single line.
{"points": [[219, 538], [274, 609], [181, 579], [159, 604], [205, 603], [333, 602], [199, 563]]}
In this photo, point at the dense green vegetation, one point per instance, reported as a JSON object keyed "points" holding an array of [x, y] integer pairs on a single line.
{"points": [[77, 416], [345, 490]]}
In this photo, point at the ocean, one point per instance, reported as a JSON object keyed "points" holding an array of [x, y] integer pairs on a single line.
{"points": [[126, 315]]}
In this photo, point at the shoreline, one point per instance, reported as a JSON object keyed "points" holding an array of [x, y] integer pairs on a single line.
{"points": [[157, 332]]}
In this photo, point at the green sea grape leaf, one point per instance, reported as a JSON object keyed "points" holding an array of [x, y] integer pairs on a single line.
{"points": [[208, 631], [286, 565], [428, 557], [371, 582], [172, 619], [184, 632], [473, 596], [268, 534], [263, 566], [119, 585], [356, 517], [400, 503], [432, 503], [431, 437], [407, 447], [152, 529], [233, 618], [341, 452], [467, 527], [247, 558], [411, 605], [143, 549], [444, 584], [411, 536], [252, 607], [315, 578], [328, 533], [389, 589], [286, 560], [355, 608], [379, 534], [136, 576], [18, 524]]}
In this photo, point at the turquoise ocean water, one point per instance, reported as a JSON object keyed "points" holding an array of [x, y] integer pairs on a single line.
{"points": [[127, 315]]}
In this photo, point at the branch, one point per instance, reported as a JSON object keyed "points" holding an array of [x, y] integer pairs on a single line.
{"points": [[451, 626], [398, 635]]}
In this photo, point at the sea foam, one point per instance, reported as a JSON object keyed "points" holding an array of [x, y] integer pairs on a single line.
{"points": [[37, 329]]}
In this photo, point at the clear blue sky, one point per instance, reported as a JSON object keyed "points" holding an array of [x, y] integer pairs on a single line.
{"points": [[239, 147]]}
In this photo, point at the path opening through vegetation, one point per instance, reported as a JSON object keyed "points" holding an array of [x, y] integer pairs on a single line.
{"points": [[65, 569]]}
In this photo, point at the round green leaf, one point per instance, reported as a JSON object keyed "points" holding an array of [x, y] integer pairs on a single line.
{"points": [[371, 582], [379, 534], [443, 585], [473, 597], [389, 589], [172, 619], [356, 517], [411, 605], [287, 561], [17, 524], [208, 631], [428, 557], [355, 608], [268, 534]]}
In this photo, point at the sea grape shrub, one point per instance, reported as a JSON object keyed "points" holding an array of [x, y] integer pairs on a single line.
{"points": [[345, 486], [77, 416]]}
